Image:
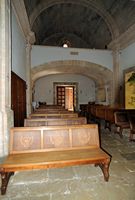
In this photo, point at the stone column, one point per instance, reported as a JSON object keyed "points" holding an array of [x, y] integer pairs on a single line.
{"points": [[28, 75], [116, 77], [6, 115]]}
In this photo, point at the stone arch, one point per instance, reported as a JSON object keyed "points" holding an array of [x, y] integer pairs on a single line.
{"points": [[97, 7], [99, 74]]}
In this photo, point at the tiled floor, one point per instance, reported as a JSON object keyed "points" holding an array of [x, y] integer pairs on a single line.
{"points": [[81, 182]]}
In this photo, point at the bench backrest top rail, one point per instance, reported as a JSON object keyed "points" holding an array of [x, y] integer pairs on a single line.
{"points": [[51, 106], [53, 115], [52, 112], [50, 109], [55, 119], [51, 138]]}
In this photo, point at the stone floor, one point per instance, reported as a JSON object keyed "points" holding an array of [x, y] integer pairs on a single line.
{"points": [[81, 182]]}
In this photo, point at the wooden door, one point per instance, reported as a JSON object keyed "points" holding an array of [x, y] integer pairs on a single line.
{"points": [[61, 96], [69, 98], [18, 99], [65, 97]]}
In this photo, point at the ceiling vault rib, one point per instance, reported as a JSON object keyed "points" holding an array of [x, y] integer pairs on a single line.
{"points": [[98, 24]]}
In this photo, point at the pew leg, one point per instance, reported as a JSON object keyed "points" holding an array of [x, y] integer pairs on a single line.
{"points": [[105, 168], [5, 176], [131, 139], [119, 131], [108, 125]]}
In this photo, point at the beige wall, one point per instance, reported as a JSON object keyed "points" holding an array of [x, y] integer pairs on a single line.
{"points": [[44, 87]]}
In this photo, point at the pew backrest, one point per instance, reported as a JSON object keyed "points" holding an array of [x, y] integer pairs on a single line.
{"points": [[54, 122], [121, 117], [53, 115], [52, 138], [52, 112], [45, 110]]}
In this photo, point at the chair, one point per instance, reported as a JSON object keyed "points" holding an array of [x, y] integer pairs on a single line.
{"points": [[132, 127], [121, 121]]}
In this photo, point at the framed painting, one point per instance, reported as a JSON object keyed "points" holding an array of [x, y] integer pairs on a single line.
{"points": [[129, 78]]}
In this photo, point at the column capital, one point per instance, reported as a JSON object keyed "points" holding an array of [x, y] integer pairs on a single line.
{"points": [[30, 39], [28, 47]]}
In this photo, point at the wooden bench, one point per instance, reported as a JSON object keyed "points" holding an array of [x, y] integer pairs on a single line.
{"points": [[53, 147], [53, 122], [121, 121], [132, 127], [53, 115], [52, 111], [51, 107]]}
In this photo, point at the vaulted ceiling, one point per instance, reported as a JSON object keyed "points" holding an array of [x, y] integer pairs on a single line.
{"points": [[79, 23]]}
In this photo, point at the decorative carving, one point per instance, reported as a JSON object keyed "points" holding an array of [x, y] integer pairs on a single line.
{"points": [[26, 141], [57, 141], [84, 139]]}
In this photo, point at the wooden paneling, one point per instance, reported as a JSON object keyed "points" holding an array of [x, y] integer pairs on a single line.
{"points": [[18, 99], [40, 139]]}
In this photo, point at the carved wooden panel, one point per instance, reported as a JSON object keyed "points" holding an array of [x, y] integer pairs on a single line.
{"points": [[56, 139], [26, 140]]}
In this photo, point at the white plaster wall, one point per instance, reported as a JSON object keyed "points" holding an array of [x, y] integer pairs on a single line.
{"points": [[46, 54], [44, 87], [127, 57], [18, 50]]}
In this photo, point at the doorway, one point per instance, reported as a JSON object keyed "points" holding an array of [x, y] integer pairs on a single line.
{"points": [[69, 100], [65, 97], [65, 94]]}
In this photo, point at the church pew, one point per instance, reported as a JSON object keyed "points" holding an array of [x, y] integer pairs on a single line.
{"points": [[104, 112], [53, 122], [132, 127], [44, 111], [121, 121], [53, 115], [53, 147], [50, 107]]}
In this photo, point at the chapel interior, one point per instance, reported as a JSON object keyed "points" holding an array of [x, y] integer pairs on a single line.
{"points": [[78, 55]]}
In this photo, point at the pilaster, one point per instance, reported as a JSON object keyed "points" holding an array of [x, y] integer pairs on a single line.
{"points": [[116, 77], [6, 114], [28, 75], [23, 21]]}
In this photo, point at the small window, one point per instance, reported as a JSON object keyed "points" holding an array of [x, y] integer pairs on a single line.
{"points": [[65, 45]]}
